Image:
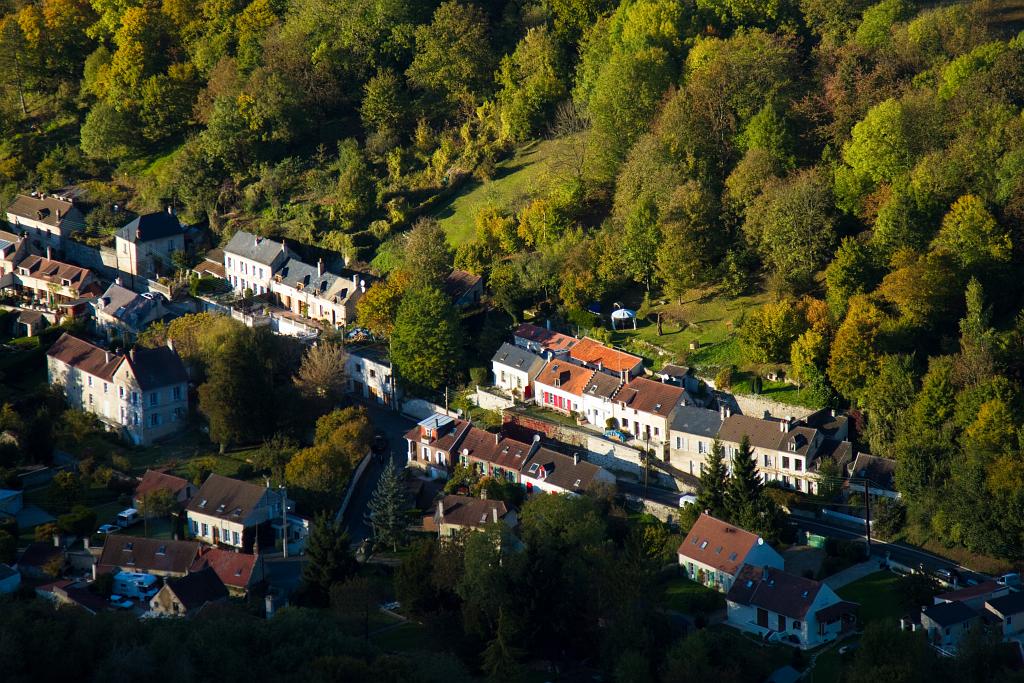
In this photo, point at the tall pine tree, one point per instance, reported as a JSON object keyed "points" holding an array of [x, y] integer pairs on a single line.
{"points": [[714, 479], [330, 559], [387, 516], [743, 493]]}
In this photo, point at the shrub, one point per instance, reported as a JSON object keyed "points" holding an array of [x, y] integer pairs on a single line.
{"points": [[479, 376], [724, 378]]}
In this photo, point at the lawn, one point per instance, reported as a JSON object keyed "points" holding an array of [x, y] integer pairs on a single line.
{"points": [[515, 180], [689, 597], [878, 596]]}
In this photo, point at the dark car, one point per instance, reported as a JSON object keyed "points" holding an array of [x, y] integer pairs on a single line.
{"points": [[379, 445]]}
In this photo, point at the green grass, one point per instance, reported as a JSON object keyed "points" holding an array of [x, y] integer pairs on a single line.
{"points": [[689, 597], [515, 181], [877, 594]]}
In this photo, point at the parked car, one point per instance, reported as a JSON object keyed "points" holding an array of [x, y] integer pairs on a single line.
{"points": [[126, 518], [107, 529], [944, 574], [1012, 580], [120, 602]]}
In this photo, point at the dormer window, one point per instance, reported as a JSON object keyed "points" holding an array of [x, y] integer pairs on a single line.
{"points": [[792, 445], [202, 504]]}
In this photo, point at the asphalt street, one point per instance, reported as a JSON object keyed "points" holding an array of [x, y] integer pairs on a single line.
{"points": [[394, 425]]}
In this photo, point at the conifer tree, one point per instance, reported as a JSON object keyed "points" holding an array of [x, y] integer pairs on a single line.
{"points": [[386, 514], [330, 559], [714, 479], [745, 486]]}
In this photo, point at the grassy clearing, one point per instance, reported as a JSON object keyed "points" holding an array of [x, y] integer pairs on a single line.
{"points": [[689, 597], [877, 594], [516, 180]]}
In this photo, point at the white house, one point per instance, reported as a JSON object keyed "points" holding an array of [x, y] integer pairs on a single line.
{"points": [[559, 386], [807, 613], [122, 314], [692, 432], [598, 398], [143, 395], [514, 369], [785, 450], [251, 261], [146, 246], [236, 514], [542, 340], [315, 292], [948, 622], [547, 471], [370, 376], [1009, 611], [46, 220], [643, 408], [714, 552]]}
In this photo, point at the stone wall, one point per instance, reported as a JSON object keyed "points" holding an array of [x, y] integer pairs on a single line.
{"points": [[756, 406], [100, 260], [419, 409], [491, 401]]}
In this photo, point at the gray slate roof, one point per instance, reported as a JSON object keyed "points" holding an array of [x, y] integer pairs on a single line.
{"points": [[129, 307], [602, 385], [295, 272], [152, 226], [696, 420], [258, 249], [949, 613], [518, 358], [44, 209], [156, 368], [226, 498]]}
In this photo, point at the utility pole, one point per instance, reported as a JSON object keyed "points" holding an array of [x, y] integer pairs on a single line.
{"points": [[445, 398], [284, 520], [647, 460], [867, 516]]}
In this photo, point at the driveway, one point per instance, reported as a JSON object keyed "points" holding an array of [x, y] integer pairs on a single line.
{"points": [[394, 425]]}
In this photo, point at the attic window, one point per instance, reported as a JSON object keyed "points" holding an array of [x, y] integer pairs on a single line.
{"points": [[220, 508], [750, 584], [202, 504], [483, 518], [238, 572], [703, 545], [237, 512], [718, 551], [577, 484], [804, 595], [534, 467], [657, 407], [128, 546], [162, 550], [732, 557]]}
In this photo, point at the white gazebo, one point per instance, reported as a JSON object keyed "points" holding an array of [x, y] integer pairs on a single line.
{"points": [[623, 314]]}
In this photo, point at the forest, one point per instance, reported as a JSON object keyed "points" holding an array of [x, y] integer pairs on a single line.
{"points": [[859, 163]]}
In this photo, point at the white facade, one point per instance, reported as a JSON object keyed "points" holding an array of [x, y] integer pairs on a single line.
{"points": [[642, 425], [211, 528], [556, 398], [688, 451], [370, 377], [598, 410], [810, 632]]}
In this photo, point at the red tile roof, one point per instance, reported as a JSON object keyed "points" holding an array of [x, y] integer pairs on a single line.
{"points": [[718, 544], [774, 590], [649, 396], [549, 340], [234, 569], [561, 374], [153, 480], [593, 352], [87, 357]]}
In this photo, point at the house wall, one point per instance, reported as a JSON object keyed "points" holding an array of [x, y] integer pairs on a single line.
{"points": [[688, 452], [761, 555], [165, 602], [511, 379], [245, 273], [945, 637], [598, 410], [140, 259], [370, 379], [744, 617], [781, 466], [434, 461], [547, 396], [640, 424], [202, 527], [47, 235]]}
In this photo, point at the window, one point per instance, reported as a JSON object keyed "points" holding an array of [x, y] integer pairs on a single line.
{"points": [[89, 380], [135, 398], [373, 374], [702, 447], [656, 431], [796, 626], [154, 420], [767, 460], [176, 393], [799, 484], [195, 528], [170, 246], [703, 545], [679, 443], [153, 399], [234, 537], [229, 263], [502, 375], [206, 530], [124, 247], [798, 464], [785, 462], [90, 399], [104, 387]]}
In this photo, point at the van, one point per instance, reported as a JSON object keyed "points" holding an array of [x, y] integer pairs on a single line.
{"points": [[126, 518], [135, 585], [1012, 580]]}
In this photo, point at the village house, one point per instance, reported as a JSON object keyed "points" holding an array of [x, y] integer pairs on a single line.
{"points": [[458, 514], [1008, 611], [879, 473], [13, 249], [975, 596], [180, 490], [714, 551], [547, 471], [598, 399], [188, 595], [142, 395], [766, 600], [434, 442], [643, 408], [785, 449], [159, 557], [250, 262], [212, 265], [592, 354], [514, 369], [370, 376], [494, 455], [542, 341], [52, 283], [121, 314], [948, 622], [146, 246], [235, 514], [46, 220], [463, 288], [42, 560], [679, 375], [10, 580], [692, 432], [240, 572], [314, 292], [560, 384]]}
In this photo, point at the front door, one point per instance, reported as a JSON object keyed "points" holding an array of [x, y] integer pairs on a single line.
{"points": [[216, 535], [762, 617]]}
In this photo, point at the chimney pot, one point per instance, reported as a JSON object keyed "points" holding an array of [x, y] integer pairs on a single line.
{"points": [[320, 268], [49, 252], [170, 210], [497, 438], [494, 510], [575, 458]]}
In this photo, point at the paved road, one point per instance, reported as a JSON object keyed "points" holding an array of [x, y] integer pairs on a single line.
{"points": [[394, 425], [902, 553]]}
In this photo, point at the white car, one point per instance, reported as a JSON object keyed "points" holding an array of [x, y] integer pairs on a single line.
{"points": [[107, 529], [120, 602]]}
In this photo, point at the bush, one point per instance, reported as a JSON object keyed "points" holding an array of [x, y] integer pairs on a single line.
{"points": [[889, 516], [479, 376], [725, 378]]}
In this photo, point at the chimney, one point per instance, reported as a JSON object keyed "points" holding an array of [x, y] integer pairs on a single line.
{"points": [[494, 511], [575, 458], [600, 365], [58, 214], [56, 540], [118, 281], [534, 445], [728, 411], [548, 323], [106, 356], [721, 412], [49, 252], [497, 438], [784, 426], [440, 509], [255, 240], [362, 286], [320, 268], [170, 210], [131, 354], [269, 601]]}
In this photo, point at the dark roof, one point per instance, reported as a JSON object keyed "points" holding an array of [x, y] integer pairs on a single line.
{"points": [[879, 471], [56, 272], [87, 357], [718, 544], [159, 367], [138, 554], [774, 590], [674, 371], [43, 209], [985, 588], [448, 431], [152, 226], [1008, 604], [198, 588], [226, 498], [561, 470], [319, 281], [767, 434], [949, 613], [548, 339], [258, 249], [696, 420], [131, 307], [602, 385], [30, 317], [153, 480], [234, 569], [6, 572], [469, 511], [646, 395], [39, 553], [459, 283], [518, 358], [840, 451], [831, 426]]}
